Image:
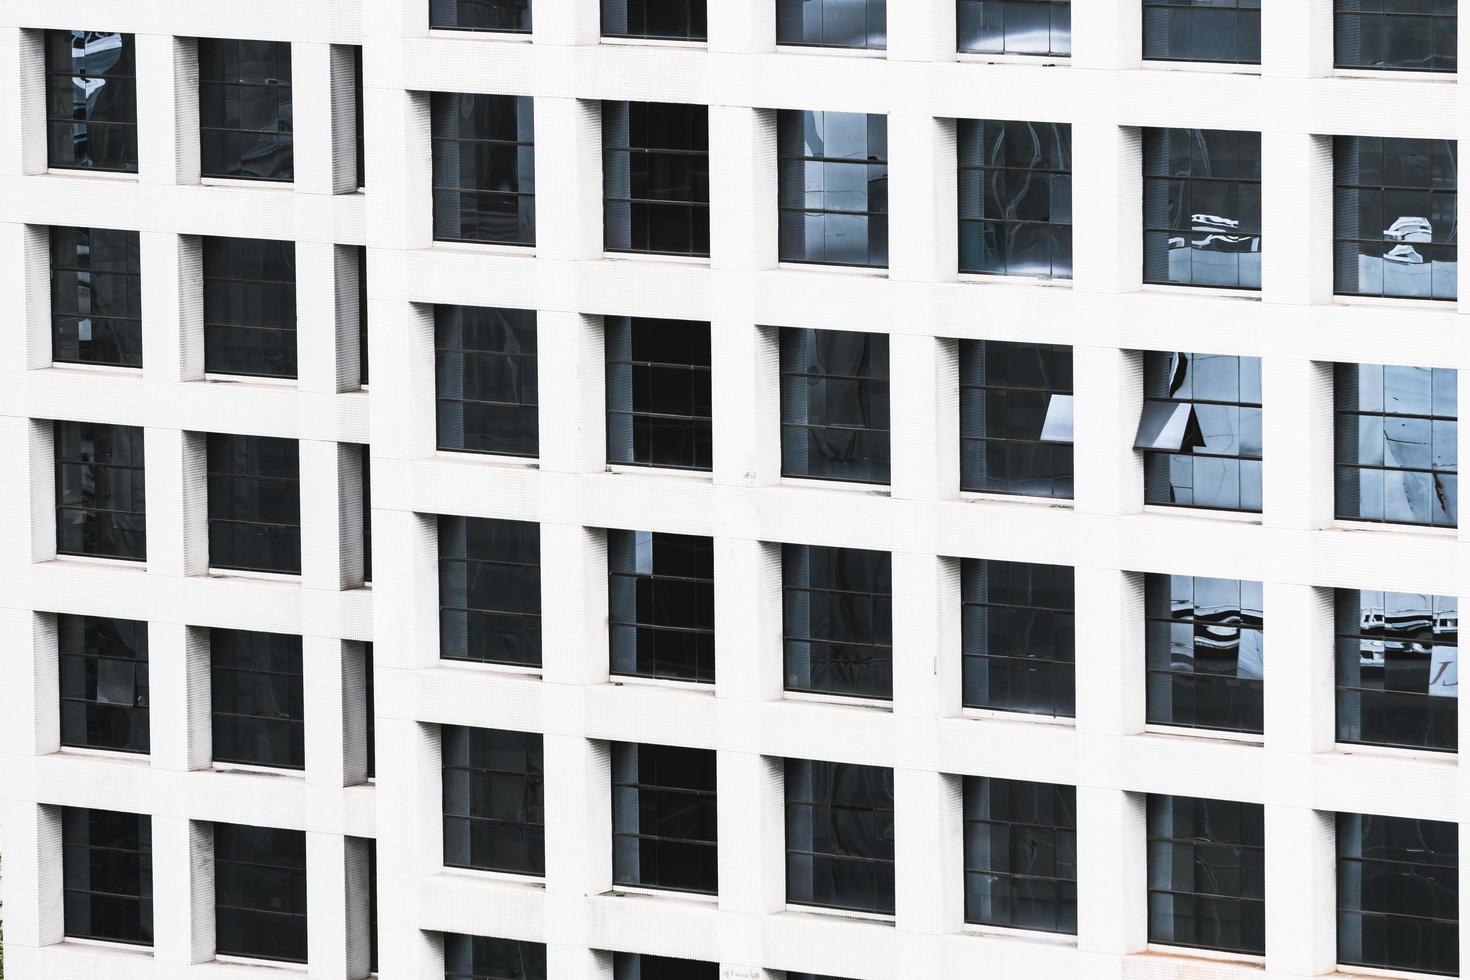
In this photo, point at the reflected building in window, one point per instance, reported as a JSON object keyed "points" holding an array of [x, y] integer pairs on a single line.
{"points": [[91, 101], [832, 187], [1015, 198], [1202, 208], [1398, 676], [859, 24], [1016, 418], [1025, 27], [1205, 653]]}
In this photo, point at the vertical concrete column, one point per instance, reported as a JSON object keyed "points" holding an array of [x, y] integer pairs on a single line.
{"points": [[924, 417], [743, 218], [569, 173], [168, 110], [1296, 40], [1106, 35], [748, 621], [1111, 670], [923, 202], [325, 145], [408, 637], [1299, 684], [327, 325], [1301, 891], [18, 535], [1296, 208], [411, 840], [578, 835], [929, 860], [336, 888], [23, 64], [573, 605], [1107, 206], [402, 419], [26, 297], [1112, 893], [570, 360], [35, 723], [1297, 438], [40, 482], [173, 294], [921, 31], [183, 890], [31, 837], [567, 23], [1108, 393], [331, 515], [746, 376], [179, 696], [752, 819], [327, 664], [926, 646], [402, 215], [176, 495]]}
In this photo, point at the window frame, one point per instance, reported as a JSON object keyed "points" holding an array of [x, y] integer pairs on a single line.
{"points": [[975, 611], [695, 11], [882, 902], [78, 644], [233, 93], [636, 796], [978, 10], [219, 480], [797, 630], [623, 336], [617, 160], [1437, 22], [1163, 680], [126, 331], [1190, 10], [792, 197], [70, 124], [531, 781], [1234, 231], [1160, 845], [803, 352], [268, 659], [524, 144], [528, 537], [526, 11], [975, 399], [126, 478], [783, 11], [1019, 835], [291, 876], [627, 634], [519, 349], [976, 178], [469, 947], [222, 275], [110, 853]]}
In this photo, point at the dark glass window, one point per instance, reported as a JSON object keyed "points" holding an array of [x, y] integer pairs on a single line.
{"points": [[494, 817], [664, 823], [1397, 454], [367, 513], [1202, 30], [490, 591], [655, 174], [1398, 669], [1016, 418], [487, 387], [839, 836], [1042, 27], [1018, 637], [1015, 198], [1204, 652], [1202, 208], [838, 620], [509, 16], [1206, 874], [260, 892], [96, 297], [359, 125], [834, 405], [664, 20], [245, 127], [107, 875], [1405, 35], [658, 393], [91, 101], [661, 605], [372, 846], [1200, 430], [254, 503], [484, 168], [250, 307], [1021, 854], [99, 491], [1396, 226], [104, 683], [257, 698], [642, 966], [484, 958], [370, 716], [833, 187], [1398, 893], [362, 317], [833, 23]]}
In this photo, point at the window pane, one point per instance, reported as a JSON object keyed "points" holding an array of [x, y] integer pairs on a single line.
{"points": [[658, 393], [834, 405], [485, 958], [490, 591], [664, 817], [100, 502], [513, 16], [642, 966], [257, 698], [96, 297], [1398, 893], [484, 168], [1206, 874], [107, 875], [839, 836], [1016, 418], [1018, 637], [1202, 30], [254, 503], [486, 379], [250, 307], [655, 178], [260, 892], [1397, 669], [833, 187], [1202, 208], [661, 599], [1204, 651], [1034, 27], [1396, 36], [833, 23], [245, 112], [1021, 854], [838, 621], [494, 817], [91, 101], [666, 20], [103, 683]]}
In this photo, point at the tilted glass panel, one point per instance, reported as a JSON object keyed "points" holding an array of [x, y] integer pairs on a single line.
{"points": [[1018, 637], [1398, 669], [659, 408], [96, 297], [834, 405], [91, 101], [663, 20], [661, 605], [838, 620], [484, 162], [509, 16], [1226, 31], [107, 876], [1204, 653], [260, 892], [487, 392], [665, 828], [1021, 854], [257, 698], [100, 500], [1202, 208], [832, 187], [254, 503], [1027, 27], [250, 307], [839, 836], [494, 810], [1403, 35], [1201, 430], [490, 591], [833, 23], [1015, 193], [1398, 893], [655, 178], [1206, 874], [486, 958], [1016, 418], [245, 111], [642, 966], [103, 683]]}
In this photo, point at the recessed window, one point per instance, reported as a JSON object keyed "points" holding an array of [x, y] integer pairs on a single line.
{"points": [[663, 20], [1413, 35], [260, 892], [664, 820], [96, 297], [107, 875], [1202, 208], [490, 591], [366, 462], [1036, 27], [100, 502], [1202, 30], [833, 187], [1398, 669], [484, 168], [1015, 198], [1396, 226], [655, 175], [487, 958], [254, 503], [257, 699], [486, 379], [494, 814], [833, 23], [91, 101], [658, 393], [250, 307], [372, 896], [104, 683], [1206, 874], [834, 405], [1204, 651], [1397, 451], [1398, 893], [1016, 418], [359, 138], [245, 112], [509, 16], [839, 836], [838, 620], [370, 717], [1018, 637], [1021, 855], [661, 605], [362, 316], [642, 966]]}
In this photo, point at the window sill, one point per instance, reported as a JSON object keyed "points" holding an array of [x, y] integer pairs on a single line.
{"points": [[661, 894], [483, 248], [500, 877], [502, 37], [1245, 293], [1395, 75], [114, 755], [114, 175], [285, 578], [226, 958], [112, 370], [1211, 955], [672, 258], [839, 51], [460, 457], [667, 472], [1019, 935], [1392, 528], [992, 279], [1210, 67], [1040, 60], [95, 562], [837, 700], [1348, 970], [1023, 718], [667, 684], [1394, 302], [1204, 735], [977, 497], [248, 379], [653, 42], [866, 271], [1389, 752], [876, 489], [530, 673], [283, 186], [877, 918], [245, 768], [1205, 513], [111, 945]]}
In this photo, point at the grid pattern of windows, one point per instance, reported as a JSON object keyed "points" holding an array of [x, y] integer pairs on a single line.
{"points": [[834, 405], [659, 390], [833, 23], [494, 814], [1019, 637], [1015, 198], [1037, 27], [91, 101], [1202, 208], [257, 700], [250, 307], [1016, 418], [104, 683], [839, 836], [486, 384], [661, 20], [664, 821], [260, 892], [837, 611], [107, 871], [99, 491], [245, 112], [254, 503], [490, 591], [96, 297], [1204, 652], [1398, 893], [1398, 677], [1408, 35], [832, 187], [1206, 874], [487, 958], [655, 177], [484, 168], [1202, 30], [1021, 854], [509, 16], [661, 605]]}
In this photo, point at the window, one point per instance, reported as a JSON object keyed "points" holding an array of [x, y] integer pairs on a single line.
{"points": [[664, 20], [839, 836], [484, 168], [91, 101], [658, 393], [359, 141], [642, 966], [833, 187], [490, 591], [245, 109], [834, 405], [96, 297], [486, 374], [254, 503], [1411, 35], [367, 513], [509, 16], [1015, 198], [257, 699], [99, 491], [107, 875], [1396, 444], [655, 173], [104, 683], [494, 818], [250, 307], [370, 716], [1398, 893], [833, 23], [1016, 418], [1018, 637], [1397, 669], [260, 892], [484, 958], [1041, 27], [838, 620], [664, 822], [1206, 874], [372, 876], [1396, 222], [1200, 430], [1202, 30], [661, 599], [1204, 652], [1021, 854], [1202, 208], [362, 317]]}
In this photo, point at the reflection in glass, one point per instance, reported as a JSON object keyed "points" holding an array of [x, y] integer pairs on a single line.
{"points": [[1202, 30], [494, 800], [1398, 669], [91, 101], [833, 23], [254, 503], [661, 605], [1206, 874], [1204, 651], [486, 380], [1015, 198], [1402, 35], [250, 307], [838, 620], [834, 405], [839, 836], [659, 411], [96, 297], [100, 501], [1021, 854], [510, 16], [245, 116], [260, 892], [490, 591], [665, 826], [479, 957], [663, 20], [1398, 893], [1018, 637], [655, 176], [1016, 418], [484, 161], [1036, 27], [104, 683], [833, 187], [107, 876], [257, 699], [1202, 208]]}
